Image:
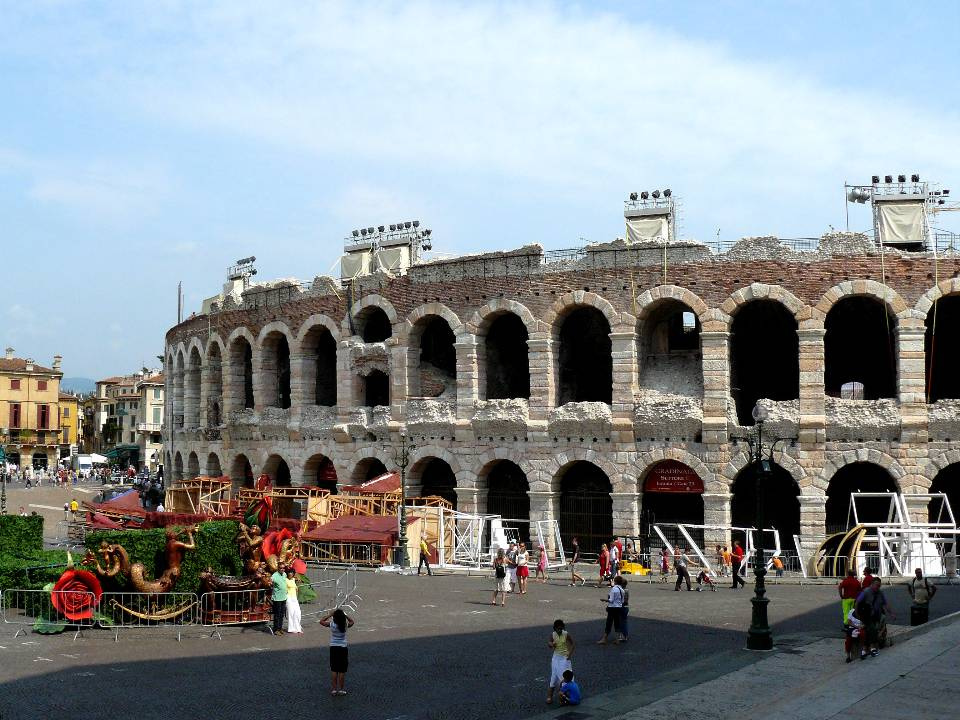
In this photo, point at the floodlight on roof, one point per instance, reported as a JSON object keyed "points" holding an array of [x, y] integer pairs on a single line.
{"points": [[427, 232], [644, 195], [381, 228], [656, 194], [888, 179], [369, 231], [945, 192], [363, 231], [356, 233], [915, 177], [633, 196], [393, 226], [875, 179], [901, 178], [406, 224], [416, 223], [668, 192]]}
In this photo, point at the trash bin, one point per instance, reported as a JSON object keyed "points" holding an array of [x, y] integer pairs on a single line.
{"points": [[919, 614]]}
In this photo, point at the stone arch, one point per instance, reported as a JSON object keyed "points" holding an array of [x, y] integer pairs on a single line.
{"points": [[424, 311], [578, 298], [435, 475], [646, 460], [213, 468], [838, 460], [178, 466], [320, 470], [192, 380], [377, 301], [931, 467], [241, 471], [312, 322], [214, 341], [619, 480], [860, 342], [280, 327], [273, 465], [238, 382], [741, 459], [483, 464], [950, 286], [482, 318], [431, 451], [763, 291], [430, 334], [274, 364], [193, 465], [211, 393], [852, 288], [354, 463], [651, 297]]}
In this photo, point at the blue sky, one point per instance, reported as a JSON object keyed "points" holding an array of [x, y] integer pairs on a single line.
{"points": [[146, 143]]}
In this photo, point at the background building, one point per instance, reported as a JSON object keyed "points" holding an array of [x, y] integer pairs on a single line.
{"points": [[150, 422], [29, 410], [124, 438], [71, 425]]}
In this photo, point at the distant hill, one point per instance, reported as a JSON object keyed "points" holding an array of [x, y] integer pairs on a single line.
{"points": [[78, 385]]}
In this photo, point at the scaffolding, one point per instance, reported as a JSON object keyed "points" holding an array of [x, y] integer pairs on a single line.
{"points": [[200, 496]]}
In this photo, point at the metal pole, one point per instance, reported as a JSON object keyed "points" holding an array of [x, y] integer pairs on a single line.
{"points": [[402, 457], [3, 493], [759, 636]]}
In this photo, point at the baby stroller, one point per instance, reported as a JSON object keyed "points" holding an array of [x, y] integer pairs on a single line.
{"points": [[703, 578]]}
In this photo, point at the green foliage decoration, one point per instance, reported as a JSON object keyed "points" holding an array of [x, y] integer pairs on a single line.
{"points": [[216, 549], [31, 570], [21, 535]]}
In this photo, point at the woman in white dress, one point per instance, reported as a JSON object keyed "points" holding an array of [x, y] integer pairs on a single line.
{"points": [[293, 605]]}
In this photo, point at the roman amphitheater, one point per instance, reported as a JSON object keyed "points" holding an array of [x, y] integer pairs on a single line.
{"points": [[605, 387]]}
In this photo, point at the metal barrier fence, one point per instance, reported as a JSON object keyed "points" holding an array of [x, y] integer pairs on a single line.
{"points": [[235, 607], [73, 608], [126, 610]]}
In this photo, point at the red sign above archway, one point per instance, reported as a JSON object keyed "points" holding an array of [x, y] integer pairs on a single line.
{"points": [[672, 476]]}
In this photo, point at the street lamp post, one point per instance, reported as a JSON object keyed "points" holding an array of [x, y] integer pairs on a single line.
{"points": [[401, 456], [760, 637]]}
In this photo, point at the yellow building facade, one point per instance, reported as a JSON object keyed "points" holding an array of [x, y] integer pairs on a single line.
{"points": [[71, 424], [30, 411]]}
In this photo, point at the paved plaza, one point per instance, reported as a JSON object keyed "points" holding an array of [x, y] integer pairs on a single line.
{"points": [[427, 647]]}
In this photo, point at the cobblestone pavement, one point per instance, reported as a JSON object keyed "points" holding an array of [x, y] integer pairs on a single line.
{"points": [[422, 648]]}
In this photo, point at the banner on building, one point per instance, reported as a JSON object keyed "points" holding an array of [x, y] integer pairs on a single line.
{"points": [[671, 476]]}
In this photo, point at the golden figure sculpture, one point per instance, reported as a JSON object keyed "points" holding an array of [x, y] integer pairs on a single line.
{"points": [[118, 562]]}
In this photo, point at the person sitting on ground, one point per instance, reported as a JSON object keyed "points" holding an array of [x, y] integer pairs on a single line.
{"points": [[569, 690]]}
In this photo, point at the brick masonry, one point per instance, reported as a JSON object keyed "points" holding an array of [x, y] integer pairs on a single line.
{"points": [[908, 438]]}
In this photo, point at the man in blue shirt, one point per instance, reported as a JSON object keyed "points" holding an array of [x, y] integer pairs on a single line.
{"points": [[569, 690], [279, 581]]}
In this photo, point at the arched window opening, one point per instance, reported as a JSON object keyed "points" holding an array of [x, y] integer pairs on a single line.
{"points": [[506, 361], [436, 372], [670, 353], [191, 393], [178, 467], [214, 386], [858, 477], [437, 478], [275, 367], [320, 367], [672, 493], [507, 489], [781, 504], [374, 325], [193, 466], [764, 356], [241, 473], [240, 384], [213, 465], [860, 346], [585, 362], [376, 389], [320, 472], [586, 508], [279, 472], [947, 482], [368, 469], [943, 349]]}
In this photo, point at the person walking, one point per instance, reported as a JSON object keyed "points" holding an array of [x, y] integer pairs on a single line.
{"points": [[279, 581], [737, 560], [614, 605], [727, 561], [664, 564], [512, 564], [293, 605], [424, 556], [921, 591], [541, 564], [523, 568], [338, 622], [562, 645], [680, 562], [624, 609], [848, 589], [872, 608], [574, 576], [615, 555], [501, 576], [604, 561]]}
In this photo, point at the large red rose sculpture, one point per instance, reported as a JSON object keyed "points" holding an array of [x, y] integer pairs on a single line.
{"points": [[76, 594]]}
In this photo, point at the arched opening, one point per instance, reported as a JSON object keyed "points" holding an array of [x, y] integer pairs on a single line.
{"points": [[586, 508], [214, 386], [279, 472], [507, 489], [319, 374], [193, 466], [176, 402], [860, 346], [781, 504], [436, 478], [947, 482], [241, 473], [191, 391], [764, 356], [858, 477], [213, 465], [435, 373], [177, 467], [672, 493], [367, 469], [584, 358], [319, 471], [504, 362], [943, 349], [374, 325], [39, 461], [670, 353], [240, 383], [376, 389], [275, 370]]}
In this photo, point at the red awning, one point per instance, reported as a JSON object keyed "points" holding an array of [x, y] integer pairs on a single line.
{"points": [[386, 483], [358, 529]]}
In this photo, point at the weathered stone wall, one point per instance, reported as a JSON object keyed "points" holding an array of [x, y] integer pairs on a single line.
{"points": [[691, 422]]}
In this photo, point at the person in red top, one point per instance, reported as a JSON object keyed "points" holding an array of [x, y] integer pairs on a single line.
{"points": [[867, 578], [848, 589], [737, 562]]}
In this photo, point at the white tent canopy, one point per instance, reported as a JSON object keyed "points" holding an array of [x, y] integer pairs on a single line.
{"points": [[98, 459]]}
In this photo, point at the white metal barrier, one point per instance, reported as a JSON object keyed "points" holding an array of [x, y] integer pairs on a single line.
{"points": [[24, 608], [128, 610], [235, 607]]}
